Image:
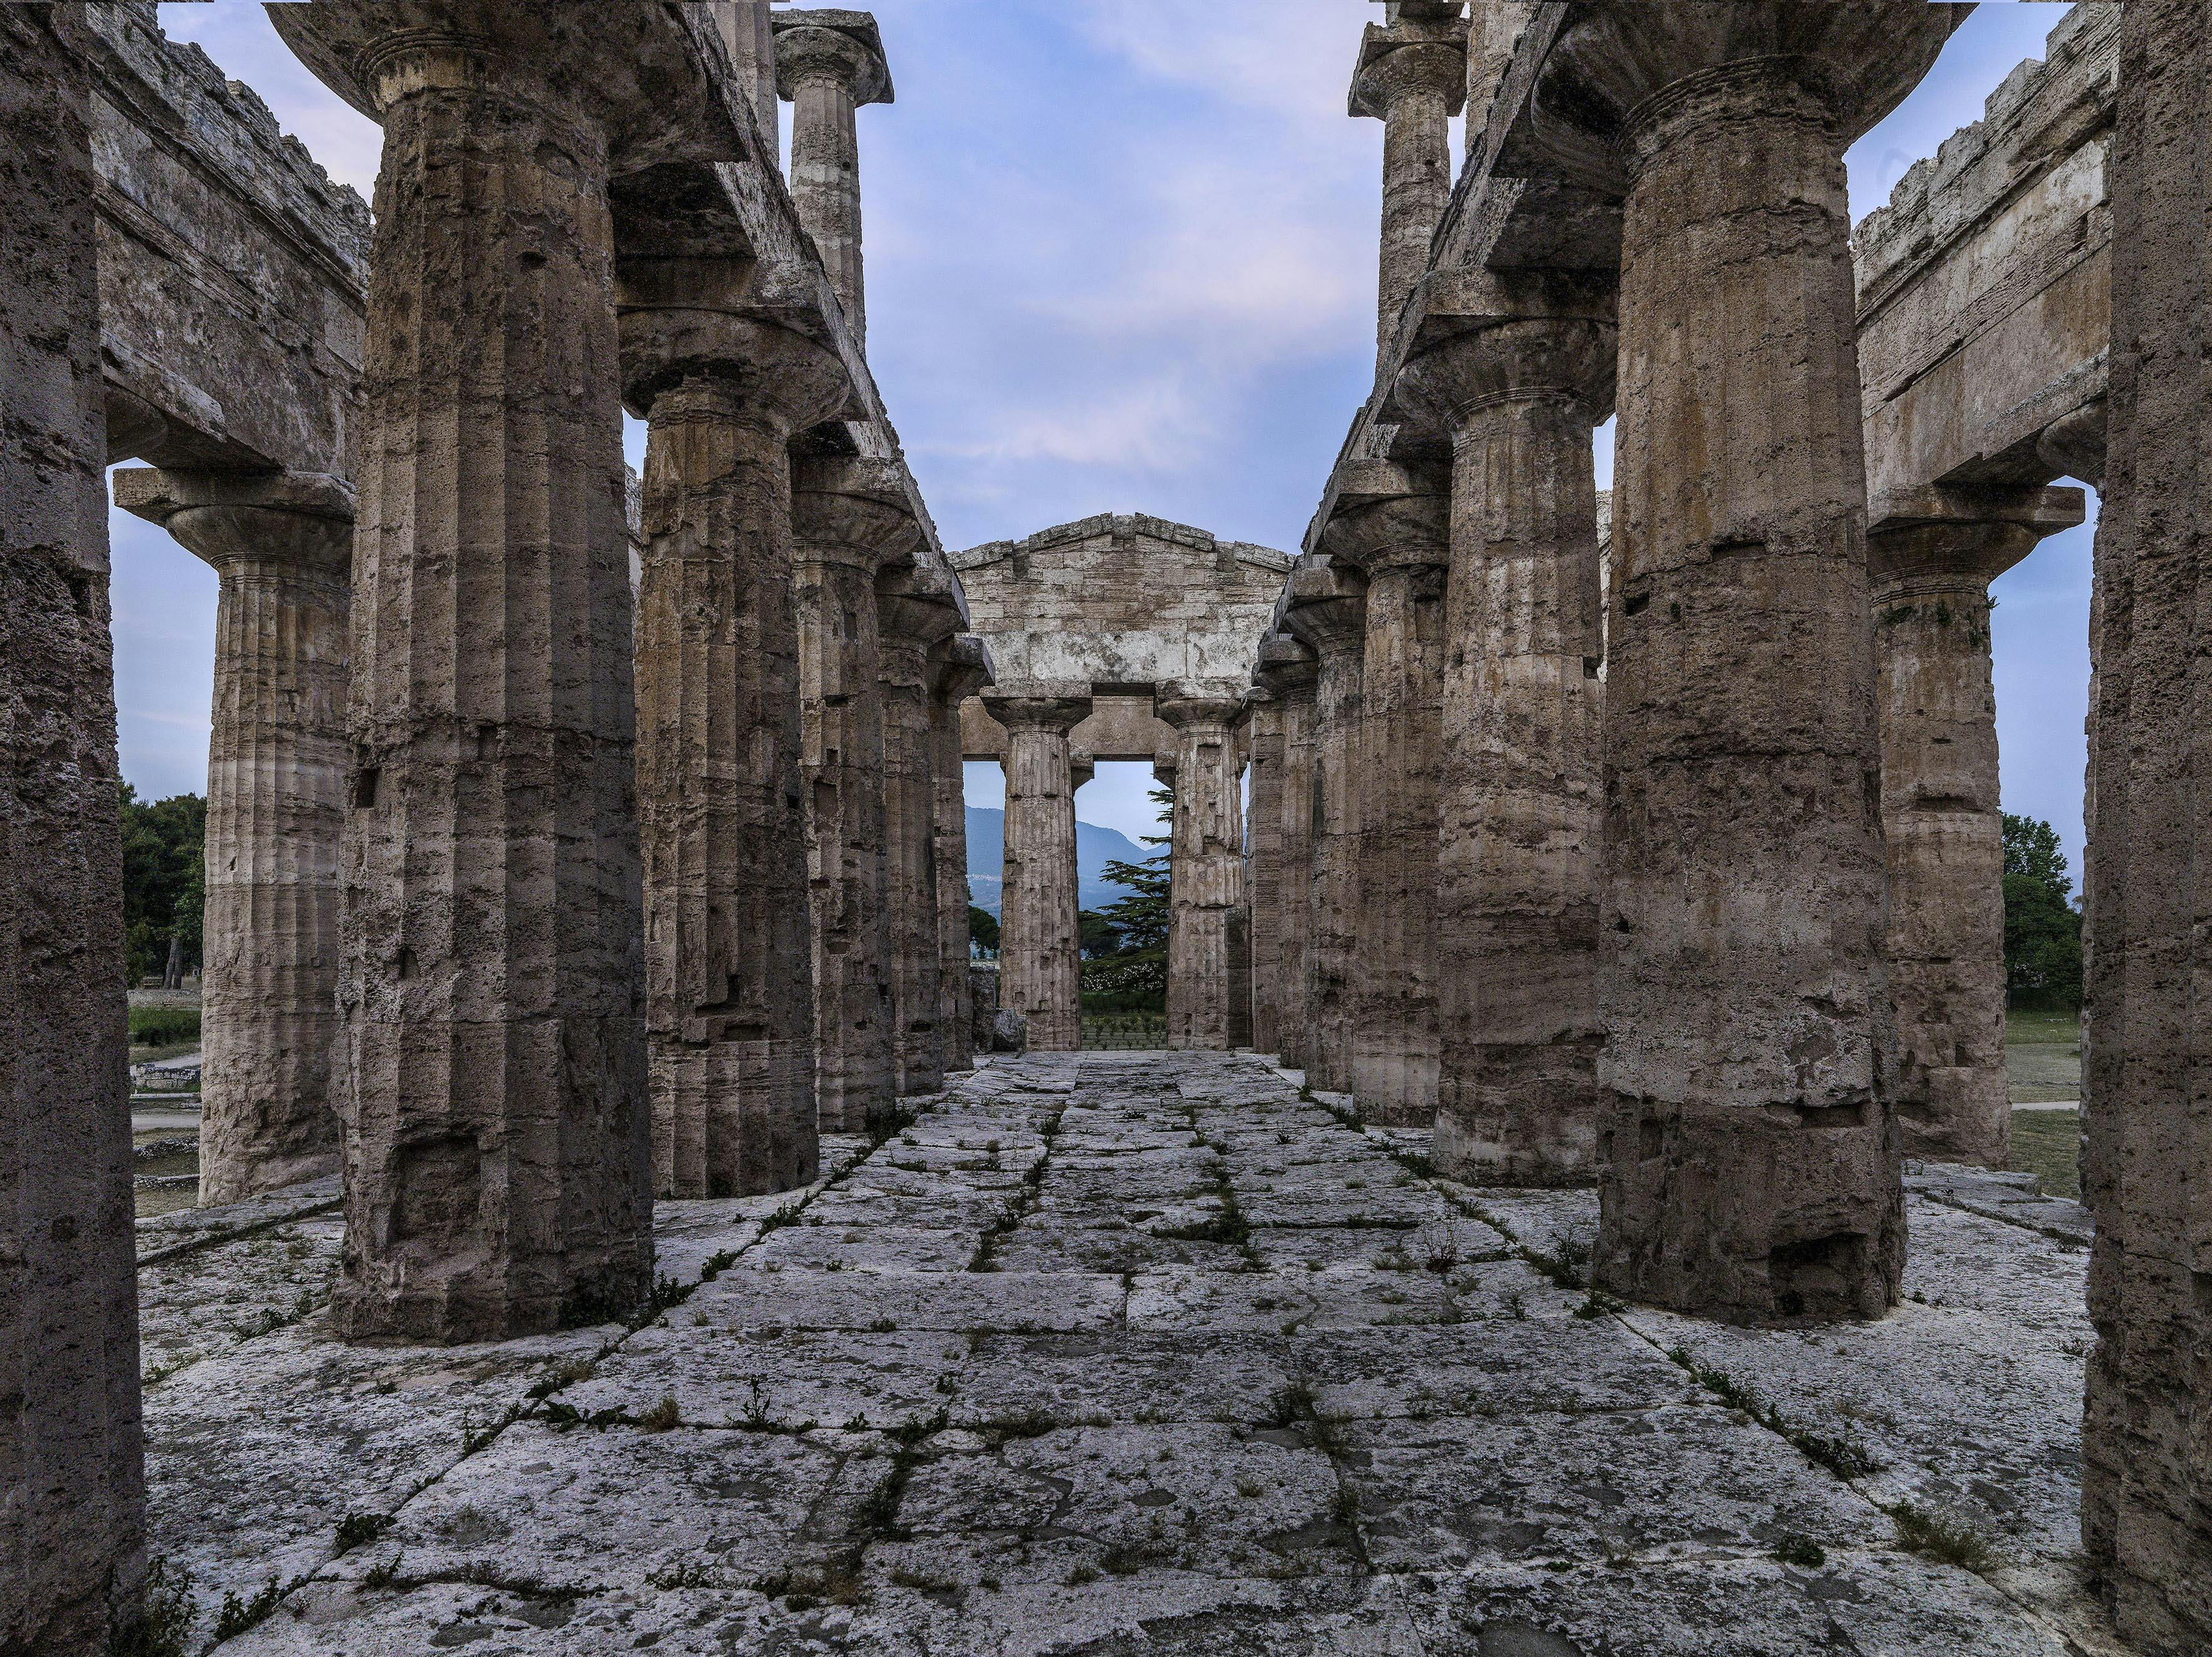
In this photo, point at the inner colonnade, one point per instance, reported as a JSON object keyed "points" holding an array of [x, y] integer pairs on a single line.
{"points": [[566, 854]]}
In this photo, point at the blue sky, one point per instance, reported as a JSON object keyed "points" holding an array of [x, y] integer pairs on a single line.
{"points": [[1121, 257]]}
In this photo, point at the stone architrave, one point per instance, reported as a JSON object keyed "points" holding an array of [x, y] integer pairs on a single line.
{"points": [[1040, 964], [1394, 524], [1494, 29], [1512, 370], [282, 548], [73, 1544], [1283, 926], [827, 64], [851, 520], [2147, 1489], [730, 1007], [1413, 77], [1205, 864], [1263, 866], [1750, 1150], [1327, 610], [1931, 555], [960, 669], [917, 610]]}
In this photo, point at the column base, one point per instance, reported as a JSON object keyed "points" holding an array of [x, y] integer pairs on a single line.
{"points": [[1530, 1122]]}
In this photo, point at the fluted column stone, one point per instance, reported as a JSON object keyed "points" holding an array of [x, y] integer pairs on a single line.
{"points": [[1412, 77], [849, 523], [918, 609], [1393, 524], [1205, 865], [1931, 556], [72, 1528], [1494, 30], [282, 548], [1040, 962], [1750, 1149], [1263, 866], [1512, 370], [729, 944], [1327, 613], [1282, 926], [962, 667], [828, 65]]}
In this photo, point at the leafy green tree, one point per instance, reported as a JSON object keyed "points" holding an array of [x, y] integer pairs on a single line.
{"points": [[1096, 936], [983, 930], [2042, 929], [164, 879]]}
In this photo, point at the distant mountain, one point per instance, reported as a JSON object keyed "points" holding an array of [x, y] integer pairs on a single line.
{"points": [[1095, 847]]}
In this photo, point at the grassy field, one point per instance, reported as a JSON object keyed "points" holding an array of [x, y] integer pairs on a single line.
{"points": [[1110, 1030], [2042, 1056], [2047, 1144]]}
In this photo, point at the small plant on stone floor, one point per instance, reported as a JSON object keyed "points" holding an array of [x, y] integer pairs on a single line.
{"points": [[718, 1263], [1795, 1549], [1082, 1575], [1516, 1307], [358, 1530], [1599, 1305], [237, 1615], [663, 1415], [1944, 1538], [164, 1628], [755, 1412], [383, 1575]]}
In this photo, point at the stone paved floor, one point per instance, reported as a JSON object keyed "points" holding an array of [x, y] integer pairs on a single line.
{"points": [[1130, 1352]]}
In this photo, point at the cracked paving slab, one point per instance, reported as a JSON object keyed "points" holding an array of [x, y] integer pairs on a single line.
{"points": [[1123, 1354]]}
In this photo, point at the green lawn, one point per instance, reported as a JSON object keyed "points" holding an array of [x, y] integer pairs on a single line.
{"points": [[2042, 1056], [2047, 1144]]}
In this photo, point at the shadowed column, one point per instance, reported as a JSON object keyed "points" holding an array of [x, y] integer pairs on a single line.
{"points": [[1039, 965], [1288, 670], [1205, 864], [1412, 77], [1511, 369], [1931, 555], [827, 64], [961, 668], [72, 1528], [917, 610], [1263, 861], [282, 549]]}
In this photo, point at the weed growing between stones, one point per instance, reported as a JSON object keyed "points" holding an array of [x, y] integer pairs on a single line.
{"points": [[237, 1615], [1940, 1537], [1795, 1549], [1022, 1204], [164, 1628], [1845, 1454], [1599, 1305], [358, 1530], [662, 1417]]}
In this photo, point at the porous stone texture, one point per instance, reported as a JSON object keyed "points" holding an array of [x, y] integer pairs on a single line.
{"points": [[919, 610], [1263, 861], [1206, 866], [1412, 76], [282, 548], [845, 535], [827, 64], [962, 668], [2145, 1512], [1040, 962], [1124, 1354], [497, 1134], [1493, 30], [1750, 1149], [1283, 851], [728, 941], [1393, 524], [1513, 372], [72, 1528], [1326, 608], [1931, 555]]}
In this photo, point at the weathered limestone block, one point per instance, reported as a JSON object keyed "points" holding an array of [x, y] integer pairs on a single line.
{"points": [[1494, 29], [2146, 1487], [749, 31], [848, 527], [827, 64], [1263, 859], [1751, 1152], [1931, 555], [1512, 369], [730, 1008], [1328, 612], [282, 548], [917, 610], [1393, 524], [1413, 77], [1283, 861], [1205, 864], [960, 669], [1040, 964], [72, 1529]]}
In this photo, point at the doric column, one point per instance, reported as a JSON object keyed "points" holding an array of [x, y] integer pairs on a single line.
{"points": [[283, 549], [1394, 524], [1931, 555], [1040, 964], [730, 1010], [1282, 928], [73, 1548], [918, 609], [827, 64], [496, 1137], [1412, 77], [2147, 1114], [960, 669], [1750, 1147], [1328, 612], [1263, 865], [851, 519], [1206, 863], [1511, 370]]}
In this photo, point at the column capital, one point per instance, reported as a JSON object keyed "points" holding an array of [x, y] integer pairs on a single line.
{"points": [[1328, 607], [1081, 768], [1941, 538], [1389, 517], [304, 518], [854, 510], [918, 608], [1043, 704], [1485, 337], [845, 48], [1286, 667], [2074, 445], [1189, 704], [700, 321], [1423, 49], [963, 664]]}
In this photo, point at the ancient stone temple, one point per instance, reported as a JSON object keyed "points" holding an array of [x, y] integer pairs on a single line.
{"points": [[1572, 1213]]}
